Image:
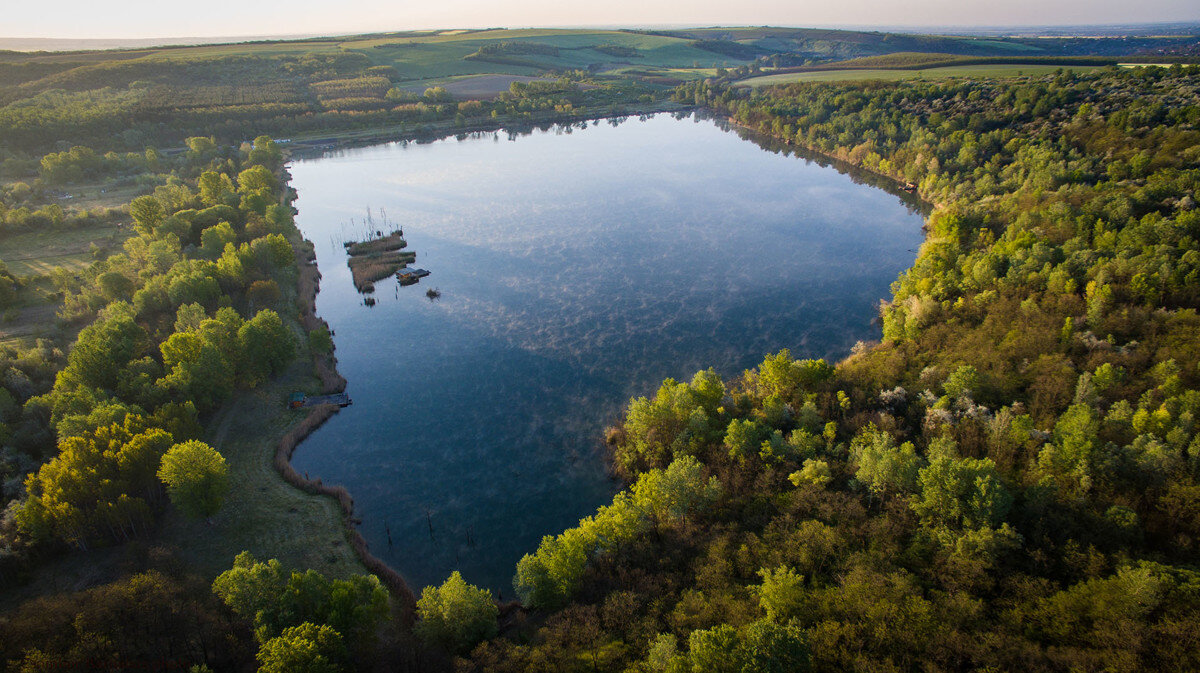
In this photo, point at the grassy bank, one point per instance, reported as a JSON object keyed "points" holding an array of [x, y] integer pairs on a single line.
{"points": [[264, 514]]}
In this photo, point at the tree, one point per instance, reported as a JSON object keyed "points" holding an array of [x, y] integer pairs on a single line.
{"points": [[759, 647], [457, 615], [115, 286], [678, 420], [104, 348], [671, 494], [961, 494], [97, 485], [276, 599], [215, 188], [146, 212], [200, 148], [197, 369], [963, 383], [263, 294], [266, 152], [256, 179], [781, 594], [882, 466], [769, 647], [214, 239], [743, 438], [815, 472], [306, 648], [196, 476], [267, 346]]}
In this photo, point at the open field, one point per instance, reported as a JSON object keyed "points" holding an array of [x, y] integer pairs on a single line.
{"points": [[37, 252], [262, 513], [855, 75]]}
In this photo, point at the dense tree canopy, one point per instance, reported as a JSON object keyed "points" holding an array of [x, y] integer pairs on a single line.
{"points": [[1008, 480]]}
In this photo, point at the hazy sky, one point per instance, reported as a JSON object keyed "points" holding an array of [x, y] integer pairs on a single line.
{"points": [[157, 18]]}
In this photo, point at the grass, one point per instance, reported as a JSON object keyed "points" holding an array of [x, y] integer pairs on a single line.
{"points": [[855, 75], [263, 514], [37, 252]]}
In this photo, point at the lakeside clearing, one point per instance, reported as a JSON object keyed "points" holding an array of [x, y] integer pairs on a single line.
{"points": [[263, 513]]}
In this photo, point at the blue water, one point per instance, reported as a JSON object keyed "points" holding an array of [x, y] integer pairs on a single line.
{"points": [[577, 267]]}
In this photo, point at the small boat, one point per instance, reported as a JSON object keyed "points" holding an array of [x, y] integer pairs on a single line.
{"points": [[909, 187]]}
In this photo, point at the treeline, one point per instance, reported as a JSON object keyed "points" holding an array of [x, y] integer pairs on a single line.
{"points": [[1009, 480], [127, 105], [164, 618]]}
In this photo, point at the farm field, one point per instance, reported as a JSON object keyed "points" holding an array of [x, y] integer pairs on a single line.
{"points": [[856, 75], [471, 87]]}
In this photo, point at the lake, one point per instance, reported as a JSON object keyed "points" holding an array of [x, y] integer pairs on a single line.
{"points": [[577, 267]]}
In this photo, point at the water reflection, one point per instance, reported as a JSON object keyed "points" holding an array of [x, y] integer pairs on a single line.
{"points": [[577, 266]]}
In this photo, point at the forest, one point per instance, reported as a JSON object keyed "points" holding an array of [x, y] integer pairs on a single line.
{"points": [[1007, 479]]}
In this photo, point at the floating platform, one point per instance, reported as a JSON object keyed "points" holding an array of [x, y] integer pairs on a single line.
{"points": [[410, 276], [300, 400]]}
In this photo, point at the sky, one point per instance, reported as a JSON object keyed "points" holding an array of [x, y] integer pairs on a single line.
{"points": [[172, 18]]}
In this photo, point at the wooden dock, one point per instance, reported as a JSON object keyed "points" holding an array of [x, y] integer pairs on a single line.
{"points": [[300, 400], [410, 276]]}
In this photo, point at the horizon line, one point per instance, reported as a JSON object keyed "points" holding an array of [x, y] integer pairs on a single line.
{"points": [[182, 40]]}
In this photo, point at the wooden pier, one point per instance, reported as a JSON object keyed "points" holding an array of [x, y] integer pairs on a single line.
{"points": [[410, 276], [300, 400]]}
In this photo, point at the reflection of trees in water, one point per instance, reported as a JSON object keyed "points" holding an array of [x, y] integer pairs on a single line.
{"points": [[513, 132]]}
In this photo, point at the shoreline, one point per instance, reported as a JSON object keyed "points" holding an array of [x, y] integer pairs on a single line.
{"points": [[931, 206], [325, 367], [441, 129]]}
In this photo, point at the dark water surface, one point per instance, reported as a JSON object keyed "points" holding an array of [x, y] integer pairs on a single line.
{"points": [[577, 268]]}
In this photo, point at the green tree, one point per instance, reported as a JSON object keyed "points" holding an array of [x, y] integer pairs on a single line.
{"points": [[883, 467], [275, 599], [678, 420], [196, 476], [266, 152], [815, 472], [782, 594], [214, 239], [267, 346], [963, 383], [197, 370], [104, 348], [305, 648], [743, 438], [146, 212], [215, 188], [673, 493], [456, 615], [961, 494]]}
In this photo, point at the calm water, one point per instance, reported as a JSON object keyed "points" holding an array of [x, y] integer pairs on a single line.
{"points": [[577, 268]]}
